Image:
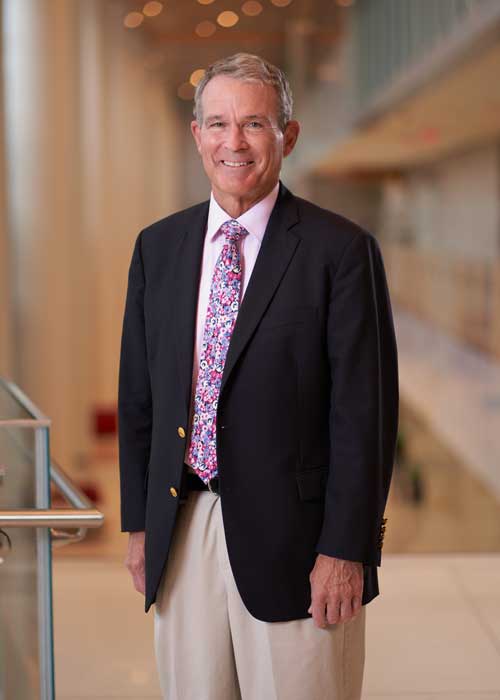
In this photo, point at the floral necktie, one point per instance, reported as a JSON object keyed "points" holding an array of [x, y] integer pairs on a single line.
{"points": [[223, 306]]}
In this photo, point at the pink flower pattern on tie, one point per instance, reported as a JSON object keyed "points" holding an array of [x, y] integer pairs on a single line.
{"points": [[222, 310]]}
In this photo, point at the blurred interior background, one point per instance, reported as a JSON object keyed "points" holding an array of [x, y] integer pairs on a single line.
{"points": [[399, 104]]}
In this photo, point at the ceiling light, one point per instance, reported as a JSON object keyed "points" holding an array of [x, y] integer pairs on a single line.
{"points": [[252, 8], [228, 18], [205, 28], [206, 2], [196, 76], [185, 91], [281, 3], [152, 8], [133, 20]]}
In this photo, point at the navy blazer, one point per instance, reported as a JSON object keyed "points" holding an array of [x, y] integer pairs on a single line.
{"points": [[307, 415]]}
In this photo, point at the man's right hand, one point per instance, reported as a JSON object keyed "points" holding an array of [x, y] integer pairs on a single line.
{"points": [[135, 560]]}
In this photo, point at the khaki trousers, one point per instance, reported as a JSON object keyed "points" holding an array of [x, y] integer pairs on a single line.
{"points": [[209, 647]]}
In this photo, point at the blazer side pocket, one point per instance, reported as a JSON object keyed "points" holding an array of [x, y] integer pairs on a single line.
{"points": [[311, 483]]}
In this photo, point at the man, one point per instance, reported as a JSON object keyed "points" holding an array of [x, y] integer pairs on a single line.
{"points": [[258, 410]]}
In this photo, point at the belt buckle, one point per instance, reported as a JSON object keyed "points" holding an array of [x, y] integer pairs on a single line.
{"points": [[211, 486]]}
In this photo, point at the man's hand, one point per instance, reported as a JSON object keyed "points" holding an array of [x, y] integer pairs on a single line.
{"points": [[336, 588], [135, 560]]}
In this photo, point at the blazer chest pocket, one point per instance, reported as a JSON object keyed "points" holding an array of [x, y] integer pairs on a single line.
{"points": [[311, 483], [292, 316]]}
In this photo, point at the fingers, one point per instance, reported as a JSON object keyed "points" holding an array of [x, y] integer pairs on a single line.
{"points": [[137, 569], [135, 563], [317, 610], [336, 590], [346, 611], [356, 604], [333, 610], [138, 576], [140, 582]]}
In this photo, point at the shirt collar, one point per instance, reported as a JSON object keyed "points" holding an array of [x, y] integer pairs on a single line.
{"points": [[254, 219]]}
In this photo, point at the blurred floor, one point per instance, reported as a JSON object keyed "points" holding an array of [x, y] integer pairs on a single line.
{"points": [[434, 633]]}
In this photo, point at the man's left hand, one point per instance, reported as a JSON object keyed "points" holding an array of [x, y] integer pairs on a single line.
{"points": [[336, 590]]}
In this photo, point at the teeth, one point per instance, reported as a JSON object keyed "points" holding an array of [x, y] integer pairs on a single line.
{"points": [[236, 164]]}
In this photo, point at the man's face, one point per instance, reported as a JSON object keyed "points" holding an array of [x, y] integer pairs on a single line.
{"points": [[239, 140]]}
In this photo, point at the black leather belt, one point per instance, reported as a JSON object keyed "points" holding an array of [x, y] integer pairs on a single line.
{"points": [[192, 482]]}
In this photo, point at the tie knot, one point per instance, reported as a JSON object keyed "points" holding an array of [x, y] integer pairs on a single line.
{"points": [[233, 230]]}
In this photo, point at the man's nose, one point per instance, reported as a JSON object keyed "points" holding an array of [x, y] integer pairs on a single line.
{"points": [[235, 138]]}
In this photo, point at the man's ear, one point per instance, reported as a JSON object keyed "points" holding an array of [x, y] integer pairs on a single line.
{"points": [[290, 136], [195, 130]]}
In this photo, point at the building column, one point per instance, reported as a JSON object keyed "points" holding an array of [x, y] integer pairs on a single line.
{"points": [[48, 279], [92, 152], [6, 321]]}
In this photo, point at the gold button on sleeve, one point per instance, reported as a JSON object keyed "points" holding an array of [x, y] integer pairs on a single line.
{"points": [[181, 432], [173, 492]]}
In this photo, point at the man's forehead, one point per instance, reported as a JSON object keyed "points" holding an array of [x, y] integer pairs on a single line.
{"points": [[223, 92], [263, 116]]}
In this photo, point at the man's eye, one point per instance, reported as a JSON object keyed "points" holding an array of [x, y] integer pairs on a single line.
{"points": [[255, 125], [218, 124]]}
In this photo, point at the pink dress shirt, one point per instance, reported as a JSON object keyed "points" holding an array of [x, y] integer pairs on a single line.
{"points": [[255, 221]]}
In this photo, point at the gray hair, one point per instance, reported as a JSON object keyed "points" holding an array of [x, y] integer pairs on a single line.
{"points": [[249, 68]]}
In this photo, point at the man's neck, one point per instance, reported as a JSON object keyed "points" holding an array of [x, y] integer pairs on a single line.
{"points": [[236, 206]]}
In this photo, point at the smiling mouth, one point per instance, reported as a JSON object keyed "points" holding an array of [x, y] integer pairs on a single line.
{"points": [[236, 163]]}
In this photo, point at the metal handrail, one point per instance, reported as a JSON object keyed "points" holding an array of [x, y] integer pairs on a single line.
{"points": [[82, 515], [83, 512], [39, 418]]}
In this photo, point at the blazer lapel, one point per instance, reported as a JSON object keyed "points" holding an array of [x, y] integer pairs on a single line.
{"points": [[185, 301], [276, 251]]}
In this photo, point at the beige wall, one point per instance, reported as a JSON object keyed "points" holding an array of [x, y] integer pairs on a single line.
{"points": [[129, 172], [90, 143], [6, 325]]}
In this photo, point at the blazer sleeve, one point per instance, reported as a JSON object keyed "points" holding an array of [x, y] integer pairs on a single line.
{"points": [[134, 401], [364, 405]]}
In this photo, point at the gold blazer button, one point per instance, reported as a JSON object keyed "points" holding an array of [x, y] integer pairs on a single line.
{"points": [[173, 492], [181, 432]]}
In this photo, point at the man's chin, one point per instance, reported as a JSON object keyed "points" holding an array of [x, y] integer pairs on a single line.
{"points": [[235, 188]]}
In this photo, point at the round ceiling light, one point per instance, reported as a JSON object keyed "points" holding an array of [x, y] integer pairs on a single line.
{"points": [[205, 28], [152, 8], [251, 8], [133, 20], [228, 18]]}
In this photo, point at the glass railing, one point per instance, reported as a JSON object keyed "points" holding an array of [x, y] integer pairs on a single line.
{"points": [[27, 532]]}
